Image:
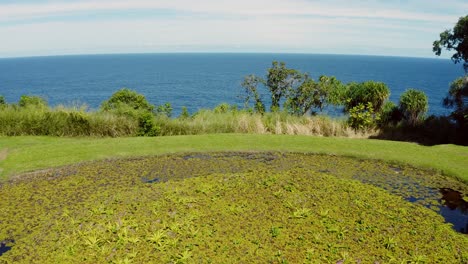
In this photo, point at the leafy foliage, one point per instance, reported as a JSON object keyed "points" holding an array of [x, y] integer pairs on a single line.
{"points": [[313, 95], [363, 117], [184, 114], [375, 93], [279, 80], [455, 39], [458, 99], [250, 85], [390, 114], [165, 109], [32, 101], [129, 98], [413, 105], [2, 100]]}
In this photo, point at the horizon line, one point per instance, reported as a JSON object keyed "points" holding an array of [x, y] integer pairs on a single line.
{"points": [[221, 52]]}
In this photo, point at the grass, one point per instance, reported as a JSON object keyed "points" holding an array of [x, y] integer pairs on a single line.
{"points": [[125, 122], [23, 154], [221, 208]]}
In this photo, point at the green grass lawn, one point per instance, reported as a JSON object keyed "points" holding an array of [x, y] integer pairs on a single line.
{"points": [[22, 154]]}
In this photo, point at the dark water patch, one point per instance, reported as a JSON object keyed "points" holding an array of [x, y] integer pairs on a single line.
{"points": [[154, 180], [454, 209], [418, 190], [5, 246]]}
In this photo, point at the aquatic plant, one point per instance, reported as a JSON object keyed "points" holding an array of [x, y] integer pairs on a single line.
{"points": [[227, 207]]}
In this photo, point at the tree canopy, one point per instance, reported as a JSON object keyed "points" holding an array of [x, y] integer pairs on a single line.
{"points": [[372, 92], [279, 80], [455, 39], [129, 98], [458, 99], [413, 105]]}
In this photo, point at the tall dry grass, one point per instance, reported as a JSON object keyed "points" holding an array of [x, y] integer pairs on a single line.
{"points": [[62, 121], [78, 121], [209, 121]]}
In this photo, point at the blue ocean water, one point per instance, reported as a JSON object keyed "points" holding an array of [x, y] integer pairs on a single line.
{"points": [[205, 80]]}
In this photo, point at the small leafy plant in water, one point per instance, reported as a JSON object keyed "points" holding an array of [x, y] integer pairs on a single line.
{"points": [[230, 207]]}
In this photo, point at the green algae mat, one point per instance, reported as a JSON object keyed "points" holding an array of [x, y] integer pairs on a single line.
{"points": [[235, 207]]}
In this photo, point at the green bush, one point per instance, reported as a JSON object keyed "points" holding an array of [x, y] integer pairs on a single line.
{"points": [[458, 100], [413, 105], [147, 125], [165, 109], [2, 100], [221, 108], [32, 101], [363, 93], [362, 117], [128, 98], [184, 114], [390, 115]]}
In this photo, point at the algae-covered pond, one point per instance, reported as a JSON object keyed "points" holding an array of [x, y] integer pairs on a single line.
{"points": [[233, 208]]}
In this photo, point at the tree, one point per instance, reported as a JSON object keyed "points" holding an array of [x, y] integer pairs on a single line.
{"points": [[134, 105], [250, 85], [372, 92], [458, 99], [413, 105], [127, 98], [313, 95], [279, 80], [455, 39]]}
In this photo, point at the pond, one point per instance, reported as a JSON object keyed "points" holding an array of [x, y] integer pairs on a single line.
{"points": [[252, 205]]}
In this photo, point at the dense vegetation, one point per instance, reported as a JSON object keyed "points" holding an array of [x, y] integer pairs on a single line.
{"points": [[127, 113], [231, 207], [457, 98]]}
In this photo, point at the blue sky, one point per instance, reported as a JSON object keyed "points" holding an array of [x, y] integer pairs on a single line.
{"points": [[373, 27]]}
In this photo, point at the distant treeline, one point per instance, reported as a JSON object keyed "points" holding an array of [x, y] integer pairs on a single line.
{"points": [[296, 103]]}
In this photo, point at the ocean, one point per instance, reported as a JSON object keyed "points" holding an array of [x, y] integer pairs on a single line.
{"points": [[199, 81]]}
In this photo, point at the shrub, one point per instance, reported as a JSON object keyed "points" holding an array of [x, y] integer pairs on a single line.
{"points": [[165, 109], [413, 105], [147, 125], [129, 98], [32, 101], [458, 99], [362, 117], [390, 115], [184, 114], [372, 92], [2, 100]]}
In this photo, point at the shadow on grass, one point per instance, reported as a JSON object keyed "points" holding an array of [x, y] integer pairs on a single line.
{"points": [[435, 130]]}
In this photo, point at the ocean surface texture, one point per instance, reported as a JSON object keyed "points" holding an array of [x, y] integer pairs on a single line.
{"points": [[205, 80]]}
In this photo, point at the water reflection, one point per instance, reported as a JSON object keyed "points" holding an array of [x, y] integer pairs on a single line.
{"points": [[454, 209]]}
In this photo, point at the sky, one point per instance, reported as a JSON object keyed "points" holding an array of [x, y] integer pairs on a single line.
{"points": [[372, 27]]}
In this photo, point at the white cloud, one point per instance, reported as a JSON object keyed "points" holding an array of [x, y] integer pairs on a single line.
{"points": [[222, 7], [242, 25]]}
